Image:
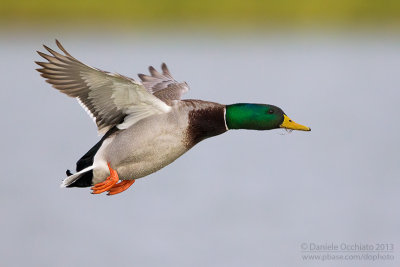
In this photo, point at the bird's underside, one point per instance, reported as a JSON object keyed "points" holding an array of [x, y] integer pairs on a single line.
{"points": [[157, 141], [146, 125]]}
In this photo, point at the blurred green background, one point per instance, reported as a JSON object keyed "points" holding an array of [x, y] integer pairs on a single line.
{"points": [[234, 14]]}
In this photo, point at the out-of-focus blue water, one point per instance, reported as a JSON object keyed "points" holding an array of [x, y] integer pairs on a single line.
{"points": [[246, 198]]}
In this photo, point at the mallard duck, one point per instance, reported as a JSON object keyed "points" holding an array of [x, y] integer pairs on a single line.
{"points": [[145, 125]]}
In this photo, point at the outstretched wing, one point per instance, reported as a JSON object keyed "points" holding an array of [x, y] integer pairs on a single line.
{"points": [[111, 99], [163, 85]]}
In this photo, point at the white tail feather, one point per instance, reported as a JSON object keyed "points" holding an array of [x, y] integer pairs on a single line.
{"points": [[71, 179]]}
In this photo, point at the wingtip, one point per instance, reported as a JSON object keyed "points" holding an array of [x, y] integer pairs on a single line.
{"points": [[48, 49], [42, 64], [59, 45], [144, 77], [40, 53], [165, 69], [43, 55], [41, 70]]}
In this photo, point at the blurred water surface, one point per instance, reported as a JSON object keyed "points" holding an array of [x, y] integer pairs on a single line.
{"points": [[245, 198]]}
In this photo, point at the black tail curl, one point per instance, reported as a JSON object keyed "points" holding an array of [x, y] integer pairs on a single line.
{"points": [[87, 160]]}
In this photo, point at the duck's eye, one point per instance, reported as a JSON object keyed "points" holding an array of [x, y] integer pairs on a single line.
{"points": [[271, 111]]}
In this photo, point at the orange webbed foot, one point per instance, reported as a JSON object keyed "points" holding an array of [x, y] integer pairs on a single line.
{"points": [[108, 183], [120, 187]]}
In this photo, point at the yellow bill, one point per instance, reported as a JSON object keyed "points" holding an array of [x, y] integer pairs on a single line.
{"points": [[289, 124]]}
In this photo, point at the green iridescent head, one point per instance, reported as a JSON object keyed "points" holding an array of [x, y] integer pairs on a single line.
{"points": [[259, 117]]}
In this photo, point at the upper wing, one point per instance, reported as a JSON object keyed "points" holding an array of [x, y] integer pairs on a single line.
{"points": [[111, 99], [164, 86]]}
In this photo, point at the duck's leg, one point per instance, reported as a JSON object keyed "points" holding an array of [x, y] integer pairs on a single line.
{"points": [[108, 183], [120, 187]]}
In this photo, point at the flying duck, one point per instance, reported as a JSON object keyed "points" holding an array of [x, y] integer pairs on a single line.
{"points": [[144, 125]]}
